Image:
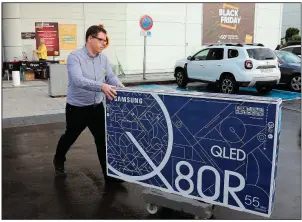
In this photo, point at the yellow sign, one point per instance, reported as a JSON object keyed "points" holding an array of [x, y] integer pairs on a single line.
{"points": [[68, 36], [248, 38]]}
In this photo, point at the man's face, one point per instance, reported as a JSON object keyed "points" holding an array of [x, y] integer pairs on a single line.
{"points": [[98, 42]]}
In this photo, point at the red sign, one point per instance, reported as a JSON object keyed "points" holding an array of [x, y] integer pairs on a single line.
{"points": [[146, 22], [49, 32]]}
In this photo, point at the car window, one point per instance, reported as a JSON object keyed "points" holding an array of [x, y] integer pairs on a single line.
{"points": [[215, 54], [202, 55], [232, 53], [288, 57], [297, 50], [288, 49], [261, 54]]}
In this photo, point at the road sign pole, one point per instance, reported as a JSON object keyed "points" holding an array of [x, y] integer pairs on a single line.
{"points": [[144, 63], [146, 24]]}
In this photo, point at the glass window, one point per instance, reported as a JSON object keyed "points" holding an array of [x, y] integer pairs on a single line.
{"points": [[288, 49], [202, 55], [261, 54], [215, 54], [232, 53], [297, 50], [288, 57]]}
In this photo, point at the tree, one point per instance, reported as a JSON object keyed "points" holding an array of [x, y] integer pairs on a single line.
{"points": [[296, 38], [290, 32]]}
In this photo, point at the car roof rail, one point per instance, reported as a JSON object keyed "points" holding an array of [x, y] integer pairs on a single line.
{"points": [[254, 44], [236, 44], [215, 44], [233, 44], [226, 44]]}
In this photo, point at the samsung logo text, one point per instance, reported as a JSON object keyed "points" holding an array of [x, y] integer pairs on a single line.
{"points": [[125, 99]]}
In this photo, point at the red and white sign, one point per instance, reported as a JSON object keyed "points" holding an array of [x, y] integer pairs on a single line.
{"points": [[146, 22]]}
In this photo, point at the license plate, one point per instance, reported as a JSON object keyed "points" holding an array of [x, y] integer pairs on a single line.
{"points": [[266, 70]]}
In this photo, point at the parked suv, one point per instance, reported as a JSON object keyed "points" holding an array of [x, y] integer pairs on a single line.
{"points": [[231, 66]]}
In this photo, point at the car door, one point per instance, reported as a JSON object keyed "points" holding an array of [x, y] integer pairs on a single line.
{"points": [[195, 67], [214, 64]]}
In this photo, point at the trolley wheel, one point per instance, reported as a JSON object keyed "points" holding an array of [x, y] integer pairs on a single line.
{"points": [[152, 209], [209, 214]]}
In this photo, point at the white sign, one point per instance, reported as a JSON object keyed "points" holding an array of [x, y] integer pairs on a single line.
{"points": [[145, 33]]}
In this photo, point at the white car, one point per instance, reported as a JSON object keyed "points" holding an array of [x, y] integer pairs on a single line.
{"points": [[231, 66]]}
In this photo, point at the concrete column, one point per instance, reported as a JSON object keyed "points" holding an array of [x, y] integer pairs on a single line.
{"points": [[11, 31]]}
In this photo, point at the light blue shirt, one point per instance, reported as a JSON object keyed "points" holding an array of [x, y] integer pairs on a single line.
{"points": [[86, 74]]}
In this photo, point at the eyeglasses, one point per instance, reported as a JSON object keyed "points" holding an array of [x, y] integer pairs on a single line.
{"points": [[100, 40]]}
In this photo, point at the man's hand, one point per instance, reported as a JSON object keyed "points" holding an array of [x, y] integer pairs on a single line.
{"points": [[121, 85], [109, 91]]}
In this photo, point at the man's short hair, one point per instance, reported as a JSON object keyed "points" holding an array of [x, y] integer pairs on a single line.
{"points": [[94, 31]]}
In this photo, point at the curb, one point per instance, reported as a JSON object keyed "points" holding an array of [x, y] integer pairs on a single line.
{"points": [[60, 117], [292, 109], [149, 82]]}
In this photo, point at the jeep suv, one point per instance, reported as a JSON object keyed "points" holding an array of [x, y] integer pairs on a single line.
{"points": [[231, 66]]}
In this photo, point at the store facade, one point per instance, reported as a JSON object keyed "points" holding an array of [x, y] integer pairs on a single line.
{"points": [[178, 29]]}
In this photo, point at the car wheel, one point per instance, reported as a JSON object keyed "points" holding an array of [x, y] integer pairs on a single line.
{"points": [[264, 89], [181, 78], [228, 85], [295, 83]]}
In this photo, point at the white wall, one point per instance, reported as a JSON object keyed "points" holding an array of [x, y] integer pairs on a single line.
{"points": [[291, 17], [166, 43], [193, 28], [113, 16], [63, 13], [176, 33], [268, 24], [12, 44]]}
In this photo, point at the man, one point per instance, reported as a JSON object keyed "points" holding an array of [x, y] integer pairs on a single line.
{"points": [[42, 51], [88, 70]]}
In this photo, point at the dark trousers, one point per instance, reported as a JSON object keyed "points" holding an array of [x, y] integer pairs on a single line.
{"points": [[77, 119]]}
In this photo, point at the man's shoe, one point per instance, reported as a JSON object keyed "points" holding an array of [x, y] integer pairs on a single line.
{"points": [[59, 168]]}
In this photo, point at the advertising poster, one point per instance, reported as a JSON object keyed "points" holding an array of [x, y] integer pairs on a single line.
{"points": [[220, 150], [228, 23], [49, 32], [68, 36]]}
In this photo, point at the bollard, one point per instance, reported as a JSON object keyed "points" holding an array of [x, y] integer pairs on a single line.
{"points": [[16, 78]]}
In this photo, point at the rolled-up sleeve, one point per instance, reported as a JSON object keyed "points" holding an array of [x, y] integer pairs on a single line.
{"points": [[76, 76], [111, 78]]}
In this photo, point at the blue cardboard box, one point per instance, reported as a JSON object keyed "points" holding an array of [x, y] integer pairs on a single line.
{"points": [[217, 148]]}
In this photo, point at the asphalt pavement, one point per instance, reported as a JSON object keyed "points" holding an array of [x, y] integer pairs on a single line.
{"points": [[30, 190]]}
